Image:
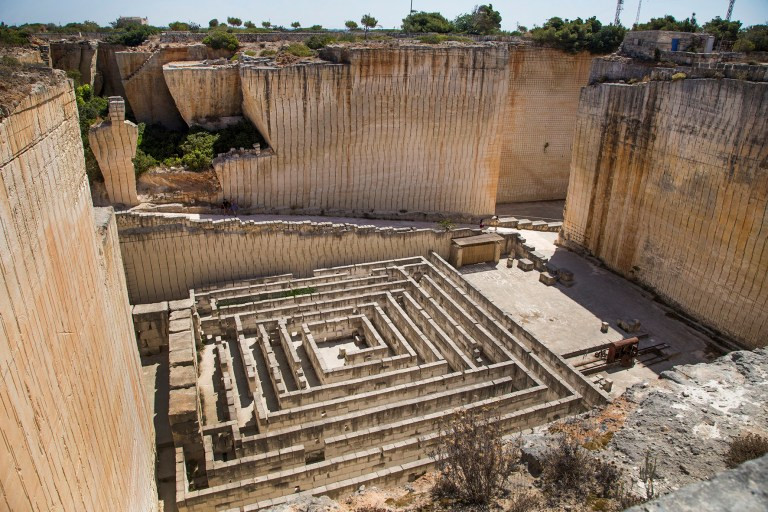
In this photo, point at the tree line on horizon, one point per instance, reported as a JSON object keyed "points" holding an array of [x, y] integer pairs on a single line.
{"points": [[568, 35]]}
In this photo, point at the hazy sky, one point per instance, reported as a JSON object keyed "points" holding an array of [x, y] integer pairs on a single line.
{"points": [[333, 13]]}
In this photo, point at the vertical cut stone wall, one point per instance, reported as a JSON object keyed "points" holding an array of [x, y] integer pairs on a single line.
{"points": [[75, 426], [385, 130], [538, 123], [669, 186]]}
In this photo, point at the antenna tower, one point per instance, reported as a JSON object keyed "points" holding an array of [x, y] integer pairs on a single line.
{"points": [[619, 7], [730, 10], [637, 18]]}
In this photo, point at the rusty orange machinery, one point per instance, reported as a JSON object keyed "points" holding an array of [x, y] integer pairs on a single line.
{"points": [[623, 351]]}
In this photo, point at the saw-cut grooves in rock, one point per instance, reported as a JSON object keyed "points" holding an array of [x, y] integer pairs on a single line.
{"points": [[344, 378]]}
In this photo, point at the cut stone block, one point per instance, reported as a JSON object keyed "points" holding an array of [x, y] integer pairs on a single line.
{"points": [[180, 304], [184, 324], [547, 278], [182, 405], [183, 377], [525, 264]]}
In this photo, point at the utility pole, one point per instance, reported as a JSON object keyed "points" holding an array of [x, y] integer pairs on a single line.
{"points": [[619, 7], [730, 10], [637, 18]]}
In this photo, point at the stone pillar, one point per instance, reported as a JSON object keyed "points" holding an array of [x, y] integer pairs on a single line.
{"points": [[113, 142]]}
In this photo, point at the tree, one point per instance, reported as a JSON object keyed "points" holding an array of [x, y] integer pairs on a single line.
{"points": [[578, 35], [249, 24], [482, 20], [724, 31], [351, 25], [213, 23], [670, 23], [235, 22], [266, 24], [295, 25], [427, 22], [368, 23], [178, 25], [754, 37]]}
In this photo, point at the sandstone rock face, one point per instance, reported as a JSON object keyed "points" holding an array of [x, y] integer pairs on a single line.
{"points": [[413, 129], [215, 89], [114, 145], [165, 256], [76, 425], [144, 83], [538, 123], [669, 186]]}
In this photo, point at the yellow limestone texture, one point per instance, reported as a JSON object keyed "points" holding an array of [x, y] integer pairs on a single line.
{"points": [[669, 186], [75, 426], [216, 91], [392, 129], [538, 123], [114, 145]]}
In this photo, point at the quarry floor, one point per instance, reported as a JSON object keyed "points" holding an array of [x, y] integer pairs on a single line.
{"points": [[565, 318]]}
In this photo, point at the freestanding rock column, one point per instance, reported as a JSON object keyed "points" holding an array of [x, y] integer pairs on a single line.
{"points": [[114, 144]]}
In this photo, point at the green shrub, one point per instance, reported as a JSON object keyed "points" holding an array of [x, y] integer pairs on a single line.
{"points": [[14, 36], [482, 20], [268, 53], [744, 45], [679, 76], [219, 39], [427, 22], [439, 38], [579, 35], [299, 50], [133, 36], [250, 53], [142, 162], [197, 150], [320, 41], [91, 109]]}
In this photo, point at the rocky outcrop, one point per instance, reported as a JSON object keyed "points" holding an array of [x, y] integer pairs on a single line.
{"points": [[76, 424], [113, 143], [215, 88], [669, 187]]}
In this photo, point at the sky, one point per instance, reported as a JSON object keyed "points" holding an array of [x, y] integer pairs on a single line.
{"points": [[333, 13]]}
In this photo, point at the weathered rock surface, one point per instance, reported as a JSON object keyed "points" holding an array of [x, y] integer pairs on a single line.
{"points": [[689, 419], [744, 489], [669, 187]]}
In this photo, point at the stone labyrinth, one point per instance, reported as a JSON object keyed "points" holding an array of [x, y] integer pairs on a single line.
{"points": [[327, 383]]}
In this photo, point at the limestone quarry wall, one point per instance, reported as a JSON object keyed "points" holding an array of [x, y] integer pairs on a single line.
{"points": [[386, 130], [538, 123], [76, 427], [145, 88], [79, 56], [216, 90], [669, 186], [166, 256]]}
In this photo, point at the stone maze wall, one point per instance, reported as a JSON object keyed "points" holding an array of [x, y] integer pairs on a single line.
{"points": [[669, 187], [320, 384]]}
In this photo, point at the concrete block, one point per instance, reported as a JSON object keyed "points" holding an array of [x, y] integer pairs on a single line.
{"points": [[525, 264]]}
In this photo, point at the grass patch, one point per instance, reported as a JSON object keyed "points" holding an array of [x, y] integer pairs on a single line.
{"points": [[746, 447], [441, 38]]}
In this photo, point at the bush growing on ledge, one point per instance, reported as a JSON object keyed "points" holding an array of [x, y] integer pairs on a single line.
{"points": [[579, 35], [299, 50], [439, 38], [427, 22], [91, 109], [218, 39], [473, 460], [320, 41], [134, 35]]}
